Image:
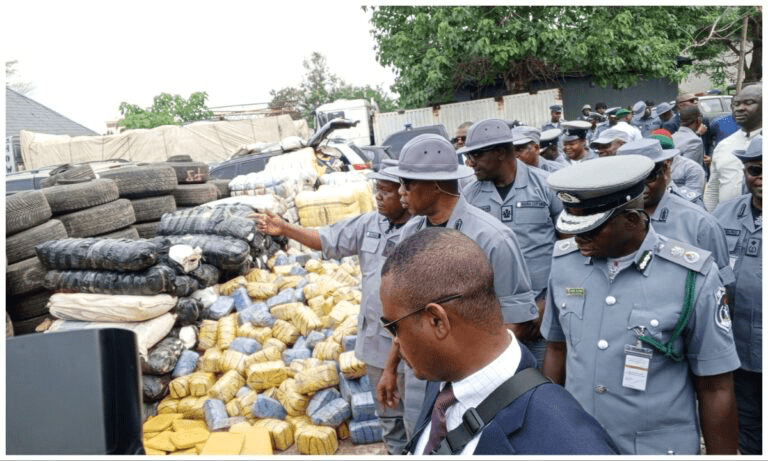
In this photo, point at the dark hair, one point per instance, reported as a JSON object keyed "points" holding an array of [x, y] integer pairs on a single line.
{"points": [[600, 105]]}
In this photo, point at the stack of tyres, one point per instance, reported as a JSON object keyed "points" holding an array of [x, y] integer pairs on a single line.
{"points": [[28, 223], [193, 187]]}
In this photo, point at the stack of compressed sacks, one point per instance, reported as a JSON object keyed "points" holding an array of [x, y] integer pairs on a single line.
{"points": [[283, 187], [340, 195], [276, 351]]}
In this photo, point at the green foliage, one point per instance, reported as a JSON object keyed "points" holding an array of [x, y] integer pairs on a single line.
{"points": [[438, 49], [319, 86], [166, 110]]}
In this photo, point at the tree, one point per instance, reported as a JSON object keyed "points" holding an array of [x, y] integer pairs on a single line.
{"points": [[319, 86], [11, 74], [435, 50], [166, 110]]}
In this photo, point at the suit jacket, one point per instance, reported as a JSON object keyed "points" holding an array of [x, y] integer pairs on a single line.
{"points": [[546, 420]]}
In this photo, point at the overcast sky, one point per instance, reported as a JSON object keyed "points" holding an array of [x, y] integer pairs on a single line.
{"points": [[85, 57]]}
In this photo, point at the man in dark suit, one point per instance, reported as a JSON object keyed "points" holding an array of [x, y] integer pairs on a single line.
{"points": [[450, 330]]}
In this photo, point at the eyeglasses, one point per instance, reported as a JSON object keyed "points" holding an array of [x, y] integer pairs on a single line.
{"points": [[754, 170], [391, 327], [463, 139], [655, 173], [476, 154]]}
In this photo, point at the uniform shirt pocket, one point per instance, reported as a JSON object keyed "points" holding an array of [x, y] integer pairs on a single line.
{"points": [[370, 242], [571, 310], [531, 212], [732, 239], [681, 439], [659, 324]]}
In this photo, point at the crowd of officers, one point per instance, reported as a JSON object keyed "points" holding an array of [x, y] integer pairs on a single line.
{"points": [[621, 258]]}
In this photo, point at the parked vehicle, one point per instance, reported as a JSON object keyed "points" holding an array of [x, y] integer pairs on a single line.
{"points": [[714, 106], [336, 153], [396, 141], [35, 179], [376, 154]]}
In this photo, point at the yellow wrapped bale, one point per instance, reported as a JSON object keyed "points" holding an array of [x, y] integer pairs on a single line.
{"points": [[280, 345], [351, 366], [226, 331], [192, 407], [351, 269], [209, 362], [316, 378], [306, 320], [259, 275], [261, 290], [271, 393], [234, 408], [329, 267], [294, 402], [343, 294], [347, 328], [285, 269], [289, 281], [300, 365], [280, 432], [324, 285], [227, 386], [249, 330], [162, 441], [200, 382], [208, 334], [312, 277], [160, 423], [285, 311], [168, 405], [266, 374], [327, 350], [315, 266], [321, 305], [341, 311], [223, 443], [178, 388], [188, 438], [298, 421], [343, 278], [230, 286], [285, 332], [232, 360], [317, 440], [187, 424], [246, 403], [257, 440], [268, 354]]}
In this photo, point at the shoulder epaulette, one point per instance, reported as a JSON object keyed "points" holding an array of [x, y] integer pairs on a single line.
{"points": [[684, 254], [686, 193], [565, 246]]}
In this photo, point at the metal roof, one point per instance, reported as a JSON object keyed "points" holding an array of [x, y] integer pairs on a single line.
{"points": [[22, 113]]}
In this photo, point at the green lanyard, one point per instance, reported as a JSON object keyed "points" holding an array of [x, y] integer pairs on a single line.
{"points": [[685, 315]]}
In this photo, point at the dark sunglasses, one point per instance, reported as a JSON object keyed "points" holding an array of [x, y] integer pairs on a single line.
{"points": [[754, 170], [459, 138], [655, 173], [391, 327], [476, 154]]}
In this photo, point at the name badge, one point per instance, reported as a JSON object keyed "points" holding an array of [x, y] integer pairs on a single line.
{"points": [[637, 361], [371, 234], [574, 291], [531, 204]]}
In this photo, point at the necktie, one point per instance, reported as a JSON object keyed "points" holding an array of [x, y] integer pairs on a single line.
{"points": [[437, 433]]}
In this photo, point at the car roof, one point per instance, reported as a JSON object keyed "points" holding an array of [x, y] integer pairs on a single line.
{"points": [[397, 140]]}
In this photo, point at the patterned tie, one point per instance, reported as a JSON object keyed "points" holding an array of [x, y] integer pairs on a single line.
{"points": [[437, 433]]}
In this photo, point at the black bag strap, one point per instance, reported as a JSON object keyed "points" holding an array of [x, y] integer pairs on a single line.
{"points": [[475, 419]]}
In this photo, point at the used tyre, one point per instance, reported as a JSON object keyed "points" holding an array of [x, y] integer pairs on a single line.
{"points": [[25, 210], [190, 172], [195, 194], [24, 277], [100, 219], [22, 245], [129, 233], [223, 185], [69, 174], [147, 230], [28, 306], [74, 197], [153, 208], [26, 327], [142, 180]]}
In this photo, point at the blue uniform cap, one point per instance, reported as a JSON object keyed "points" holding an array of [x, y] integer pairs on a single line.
{"points": [[597, 188], [663, 107], [549, 137], [576, 129], [647, 147], [556, 108], [486, 133], [524, 134], [429, 157], [754, 150], [638, 109]]}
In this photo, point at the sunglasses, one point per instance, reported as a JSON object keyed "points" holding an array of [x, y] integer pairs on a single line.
{"points": [[655, 173], [476, 154], [754, 170], [391, 327], [463, 139]]}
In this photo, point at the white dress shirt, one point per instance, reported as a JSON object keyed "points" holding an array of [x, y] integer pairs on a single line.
{"points": [[472, 390], [726, 172]]}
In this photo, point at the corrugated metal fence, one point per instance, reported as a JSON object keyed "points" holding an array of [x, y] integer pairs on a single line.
{"points": [[530, 109]]}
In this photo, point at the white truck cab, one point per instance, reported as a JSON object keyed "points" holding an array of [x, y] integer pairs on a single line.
{"points": [[354, 109]]}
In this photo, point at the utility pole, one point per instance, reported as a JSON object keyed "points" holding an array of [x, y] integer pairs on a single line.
{"points": [[741, 54]]}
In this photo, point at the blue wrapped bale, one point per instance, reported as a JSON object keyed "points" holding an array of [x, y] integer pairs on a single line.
{"points": [[287, 295], [332, 413], [241, 299], [281, 259], [245, 345], [267, 407], [222, 307], [322, 398], [368, 431], [299, 258], [257, 314], [298, 270], [186, 363], [214, 410], [289, 355], [350, 387], [301, 342], [348, 343], [313, 338], [363, 406]]}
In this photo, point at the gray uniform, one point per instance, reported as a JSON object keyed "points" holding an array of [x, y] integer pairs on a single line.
{"points": [[588, 156], [371, 237], [681, 220], [745, 248], [599, 319], [686, 172], [687, 194], [530, 210], [690, 144], [646, 124], [549, 165]]}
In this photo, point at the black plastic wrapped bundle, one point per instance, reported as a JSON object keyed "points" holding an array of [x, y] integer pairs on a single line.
{"points": [[226, 253], [184, 285], [162, 358], [227, 221], [155, 387], [155, 280], [206, 274], [187, 311], [121, 255]]}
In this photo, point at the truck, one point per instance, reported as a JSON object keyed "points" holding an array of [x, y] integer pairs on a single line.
{"points": [[375, 126]]}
